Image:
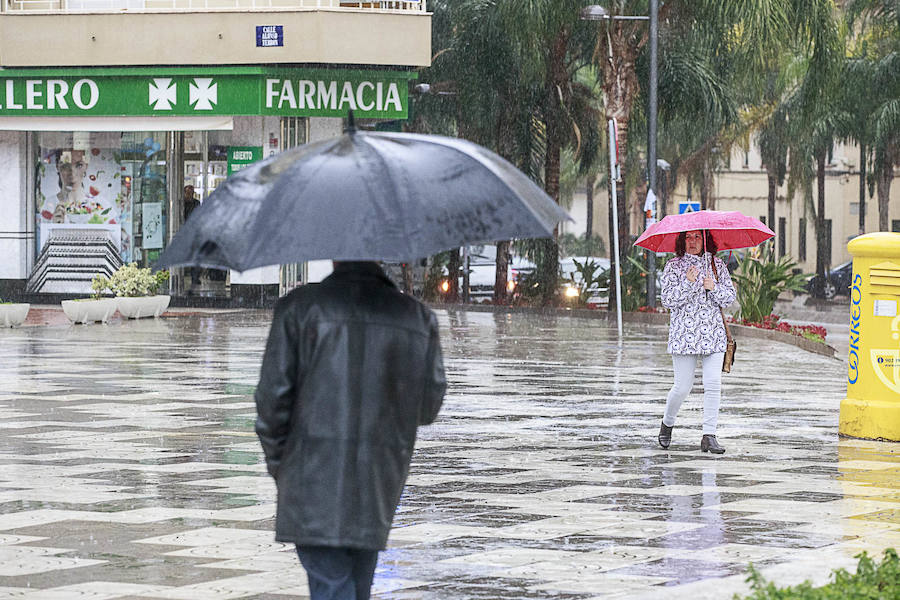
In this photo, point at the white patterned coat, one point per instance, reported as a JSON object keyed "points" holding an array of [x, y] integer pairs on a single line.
{"points": [[695, 323]]}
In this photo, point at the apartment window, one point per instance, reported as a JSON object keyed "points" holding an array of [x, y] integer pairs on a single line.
{"points": [[854, 209], [801, 241], [782, 236]]}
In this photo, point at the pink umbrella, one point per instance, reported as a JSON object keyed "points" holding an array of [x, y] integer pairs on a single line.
{"points": [[730, 230]]}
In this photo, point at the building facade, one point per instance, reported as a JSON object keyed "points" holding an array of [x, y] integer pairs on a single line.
{"points": [[117, 117]]}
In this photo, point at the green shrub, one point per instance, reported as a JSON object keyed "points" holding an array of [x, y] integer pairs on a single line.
{"points": [[99, 284], [634, 279], [872, 581], [130, 281], [759, 281]]}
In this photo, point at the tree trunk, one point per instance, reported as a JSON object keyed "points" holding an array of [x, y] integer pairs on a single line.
{"points": [[862, 188], [453, 268], [620, 87], [885, 178], [707, 198], [589, 191], [501, 295], [773, 194], [407, 271], [821, 242], [556, 78], [548, 266], [663, 206]]}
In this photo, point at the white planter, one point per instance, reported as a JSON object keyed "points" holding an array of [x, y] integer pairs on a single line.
{"points": [[12, 315], [89, 311], [142, 306]]}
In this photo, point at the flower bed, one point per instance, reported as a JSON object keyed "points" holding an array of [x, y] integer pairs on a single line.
{"points": [[652, 309], [814, 333]]}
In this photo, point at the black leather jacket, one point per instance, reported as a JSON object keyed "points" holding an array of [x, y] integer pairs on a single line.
{"points": [[351, 369]]}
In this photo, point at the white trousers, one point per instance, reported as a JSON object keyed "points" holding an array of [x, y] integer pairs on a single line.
{"points": [[684, 366]]}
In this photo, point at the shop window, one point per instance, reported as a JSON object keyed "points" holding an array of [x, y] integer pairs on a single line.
{"points": [[104, 181]]}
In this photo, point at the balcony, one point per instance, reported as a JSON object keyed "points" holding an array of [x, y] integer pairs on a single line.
{"points": [[106, 6], [88, 33]]}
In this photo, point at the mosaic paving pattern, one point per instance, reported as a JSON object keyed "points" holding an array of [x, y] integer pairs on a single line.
{"points": [[129, 468]]}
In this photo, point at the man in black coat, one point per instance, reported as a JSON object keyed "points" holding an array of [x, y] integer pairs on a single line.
{"points": [[351, 369]]}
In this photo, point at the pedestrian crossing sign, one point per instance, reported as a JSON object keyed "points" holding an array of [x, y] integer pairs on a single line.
{"points": [[688, 207]]}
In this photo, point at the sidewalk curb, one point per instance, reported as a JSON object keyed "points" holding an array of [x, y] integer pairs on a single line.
{"points": [[645, 318]]}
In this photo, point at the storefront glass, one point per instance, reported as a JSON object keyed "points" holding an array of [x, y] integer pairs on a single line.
{"points": [[112, 181]]}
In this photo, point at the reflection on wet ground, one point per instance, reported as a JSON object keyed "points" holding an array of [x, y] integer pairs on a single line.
{"points": [[129, 468]]}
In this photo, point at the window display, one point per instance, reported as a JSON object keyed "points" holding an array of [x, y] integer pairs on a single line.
{"points": [[94, 180]]}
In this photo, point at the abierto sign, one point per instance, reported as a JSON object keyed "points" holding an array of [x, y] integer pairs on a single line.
{"points": [[204, 92]]}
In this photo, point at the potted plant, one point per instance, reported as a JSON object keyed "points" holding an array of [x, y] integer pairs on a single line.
{"points": [[12, 314], [136, 291], [95, 308]]}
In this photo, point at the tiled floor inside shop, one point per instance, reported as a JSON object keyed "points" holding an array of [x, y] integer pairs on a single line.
{"points": [[129, 468]]}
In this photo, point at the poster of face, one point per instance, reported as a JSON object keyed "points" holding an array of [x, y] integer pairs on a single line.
{"points": [[85, 187]]}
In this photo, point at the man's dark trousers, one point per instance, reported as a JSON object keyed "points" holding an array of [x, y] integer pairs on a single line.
{"points": [[338, 573]]}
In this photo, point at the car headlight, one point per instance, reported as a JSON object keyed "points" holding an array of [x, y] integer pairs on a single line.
{"points": [[571, 291], [510, 286], [445, 286]]}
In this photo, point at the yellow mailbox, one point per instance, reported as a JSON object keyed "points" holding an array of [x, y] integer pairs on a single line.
{"points": [[872, 406]]}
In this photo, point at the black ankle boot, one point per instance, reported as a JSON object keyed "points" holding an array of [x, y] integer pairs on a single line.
{"points": [[665, 435], [709, 443]]}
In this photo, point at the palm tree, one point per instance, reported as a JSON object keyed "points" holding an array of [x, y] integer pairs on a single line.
{"points": [[876, 65], [513, 65], [735, 43]]}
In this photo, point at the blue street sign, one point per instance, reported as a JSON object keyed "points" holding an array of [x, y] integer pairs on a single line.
{"points": [[688, 206], [269, 35]]}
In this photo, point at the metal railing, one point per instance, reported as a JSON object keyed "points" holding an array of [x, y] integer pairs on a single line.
{"points": [[107, 6]]}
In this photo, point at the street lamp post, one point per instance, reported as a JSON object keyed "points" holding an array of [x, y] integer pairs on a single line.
{"points": [[651, 147], [595, 12]]}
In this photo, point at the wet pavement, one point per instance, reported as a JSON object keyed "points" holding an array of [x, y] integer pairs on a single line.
{"points": [[129, 468]]}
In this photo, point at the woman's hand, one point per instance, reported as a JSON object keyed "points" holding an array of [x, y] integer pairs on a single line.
{"points": [[692, 274], [709, 283]]}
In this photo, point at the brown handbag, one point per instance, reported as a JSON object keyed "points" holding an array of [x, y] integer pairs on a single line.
{"points": [[731, 346]]}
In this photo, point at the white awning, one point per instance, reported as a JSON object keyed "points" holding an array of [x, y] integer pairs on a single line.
{"points": [[115, 123]]}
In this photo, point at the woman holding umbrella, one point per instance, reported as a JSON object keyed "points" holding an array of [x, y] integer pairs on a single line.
{"points": [[695, 287]]}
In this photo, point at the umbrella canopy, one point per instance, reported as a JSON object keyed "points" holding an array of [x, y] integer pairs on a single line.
{"points": [[363, 196], [729, 229]]}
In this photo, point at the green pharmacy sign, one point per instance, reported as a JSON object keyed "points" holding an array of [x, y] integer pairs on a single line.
{"points": [[240, 157], [214, 91]]}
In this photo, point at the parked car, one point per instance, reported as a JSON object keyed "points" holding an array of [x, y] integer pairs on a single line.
{"points": [[836, 282], [483, 272]]}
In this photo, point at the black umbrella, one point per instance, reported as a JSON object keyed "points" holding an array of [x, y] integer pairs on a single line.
{"points": [[363, 196]]}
